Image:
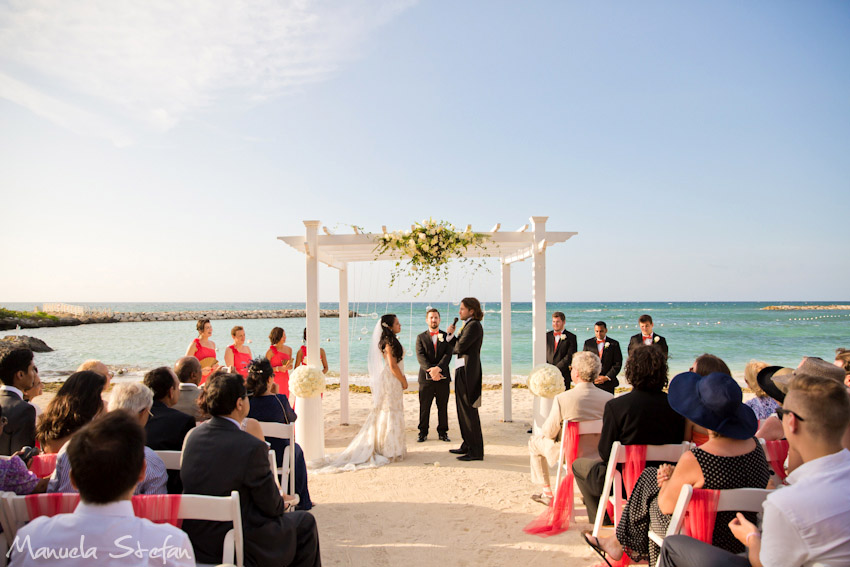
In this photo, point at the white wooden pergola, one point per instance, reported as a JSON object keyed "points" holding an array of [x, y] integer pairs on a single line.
{"points": [[338, 250]]}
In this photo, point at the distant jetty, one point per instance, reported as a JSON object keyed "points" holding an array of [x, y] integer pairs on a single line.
{"points": [[50, 319], [806, 307]]}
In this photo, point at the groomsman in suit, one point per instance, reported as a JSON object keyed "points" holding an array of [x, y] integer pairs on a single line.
{"points": [[468, 380], [561, 345], [434, 352], [647, 337], [610, 355]]}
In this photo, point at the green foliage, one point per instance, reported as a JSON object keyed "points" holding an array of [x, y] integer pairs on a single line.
{"points": [[428, 247], [8, 313]]}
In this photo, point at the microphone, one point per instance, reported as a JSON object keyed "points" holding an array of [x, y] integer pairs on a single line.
{"points": [[455, 321]]}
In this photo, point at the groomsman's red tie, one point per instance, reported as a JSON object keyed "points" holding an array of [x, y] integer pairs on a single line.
{"points": [[557, 335], [433, 341], [599, 348]]}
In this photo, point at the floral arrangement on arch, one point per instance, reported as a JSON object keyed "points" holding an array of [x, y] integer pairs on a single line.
{"points": [[546, 381], [307, 381], [428, 247]]}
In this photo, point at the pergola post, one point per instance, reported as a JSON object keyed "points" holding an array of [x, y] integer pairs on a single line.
{"points": [[343, 345], [541, 406], [310, 427], [506, 339]]}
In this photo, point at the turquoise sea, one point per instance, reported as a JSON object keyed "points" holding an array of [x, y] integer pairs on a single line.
{"points": [[735, 331]]}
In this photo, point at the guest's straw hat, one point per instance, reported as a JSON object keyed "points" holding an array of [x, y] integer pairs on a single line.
{"points": [[767, 379], [714, 402], [811, 366]]}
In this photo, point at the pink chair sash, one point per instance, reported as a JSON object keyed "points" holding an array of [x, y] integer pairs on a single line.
{"points": [[43, 465], [556, 518], [51, 504], [158, 508], [632, 469], [777, 452], [701, 514]]}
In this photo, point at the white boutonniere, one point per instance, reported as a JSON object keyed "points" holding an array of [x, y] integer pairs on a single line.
{"points": [[440, 338], [655, 339], [607, 345]]}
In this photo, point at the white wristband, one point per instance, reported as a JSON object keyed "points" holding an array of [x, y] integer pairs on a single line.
{"points": [[749, 535]]}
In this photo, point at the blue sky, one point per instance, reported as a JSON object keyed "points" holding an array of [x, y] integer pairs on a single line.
{"points": [[154, 153]]}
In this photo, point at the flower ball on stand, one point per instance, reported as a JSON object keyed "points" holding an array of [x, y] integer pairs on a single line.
{"points": [[546, 382]]}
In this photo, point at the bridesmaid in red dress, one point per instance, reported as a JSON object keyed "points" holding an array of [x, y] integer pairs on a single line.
{"points": [[203, 349], [280, 357], [301, 357], [238, 356]]}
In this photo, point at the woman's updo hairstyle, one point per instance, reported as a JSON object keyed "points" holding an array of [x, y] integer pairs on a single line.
{"points": [[201, 324], [259, 373], [388, 336], [276, 335]]}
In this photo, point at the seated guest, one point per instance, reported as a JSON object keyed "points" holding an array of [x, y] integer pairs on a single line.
{"points": [[188, 371], [107, 460], [842, 361], [76, 403], [771, 428], [806, 522], [704, 365], [138, 399], [731, 458], [641, 417], [99, 367], [14, 474], [268, 406], [17, 372], [167, 427], [762, 405], [33, 393], [218, 457], [584, 402]]}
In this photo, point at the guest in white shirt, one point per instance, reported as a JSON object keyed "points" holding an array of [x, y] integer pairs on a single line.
{"points": [[584, 402], [107, 460], [808, 522]]}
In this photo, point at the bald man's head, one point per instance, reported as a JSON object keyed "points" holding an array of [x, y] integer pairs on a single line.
{"points": [[188, 370], [98, 367]]}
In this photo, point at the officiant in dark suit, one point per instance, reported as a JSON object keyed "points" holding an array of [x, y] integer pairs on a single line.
{"points": [[468, 379], [609, 354], [561, 345], [434, 352], [647, 336]]}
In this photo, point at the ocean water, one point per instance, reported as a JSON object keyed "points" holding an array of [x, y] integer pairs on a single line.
{"points": [[735, 331]]}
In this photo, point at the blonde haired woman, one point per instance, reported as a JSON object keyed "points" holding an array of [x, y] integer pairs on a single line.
{"points": [[762, 405]]}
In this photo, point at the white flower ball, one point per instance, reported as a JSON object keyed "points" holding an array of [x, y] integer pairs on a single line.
{"points": [[546, 381], [307, 382]]}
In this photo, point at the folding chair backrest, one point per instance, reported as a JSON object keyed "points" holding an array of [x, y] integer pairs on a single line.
{"points": [[283, 431], [613, 479], [584, 428], [218, 509], [590, 427], [171, 459]]}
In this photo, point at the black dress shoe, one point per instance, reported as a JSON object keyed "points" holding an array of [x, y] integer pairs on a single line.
{"points": [[469, 457], [458, 451], [421, 438], [445, 438], [530, 431]]}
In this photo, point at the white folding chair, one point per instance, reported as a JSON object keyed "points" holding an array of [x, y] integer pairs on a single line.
{"points": [[614, 479], [171, 459], [192, 507], [287, 469], [584, 428], [733, 499]]}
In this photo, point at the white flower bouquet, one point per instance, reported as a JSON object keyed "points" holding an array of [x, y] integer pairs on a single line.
{"points": [[307, 382], [546, 381]]}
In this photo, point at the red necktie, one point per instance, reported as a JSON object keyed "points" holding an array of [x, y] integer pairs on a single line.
{"points": [[435, 342]]}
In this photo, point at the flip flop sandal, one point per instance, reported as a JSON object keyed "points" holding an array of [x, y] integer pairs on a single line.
{"points": [[595, 546], [543, 499]]}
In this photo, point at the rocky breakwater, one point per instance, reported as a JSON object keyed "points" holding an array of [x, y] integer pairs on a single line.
{"points": [[221, 314]]}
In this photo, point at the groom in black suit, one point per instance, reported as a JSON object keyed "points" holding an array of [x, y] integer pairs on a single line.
{"points": [[468, 380], [610, 355], [434, 352], [561, 345], [647, 337]]}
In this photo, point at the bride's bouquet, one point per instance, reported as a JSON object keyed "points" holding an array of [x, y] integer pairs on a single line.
{"points": [[546, 381], [306, 382]]}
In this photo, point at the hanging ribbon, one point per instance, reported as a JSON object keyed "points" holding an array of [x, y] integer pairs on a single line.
{"points": [[632, 469], [43, 465], [701, 514], [777, 452], [51, 504], [556, 518], [158, 508]]}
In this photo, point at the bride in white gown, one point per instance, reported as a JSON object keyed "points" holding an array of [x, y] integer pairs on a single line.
{"points": [[381, 439]]}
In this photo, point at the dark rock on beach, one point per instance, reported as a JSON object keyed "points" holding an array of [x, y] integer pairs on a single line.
{"points": [[11, 342]]}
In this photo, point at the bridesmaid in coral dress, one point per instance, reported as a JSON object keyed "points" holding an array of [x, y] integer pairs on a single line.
{"points": [[301, 357], [280, 357], [238, 356], [203, 349]]}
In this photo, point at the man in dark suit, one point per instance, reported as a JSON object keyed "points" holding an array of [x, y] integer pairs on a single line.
{"points": [[647, 337], [167, 427], [610, 355], [561, 345], [218, 457], [188, 370], [18, 373], [434, 352], [641, 417], [468, 379]]}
